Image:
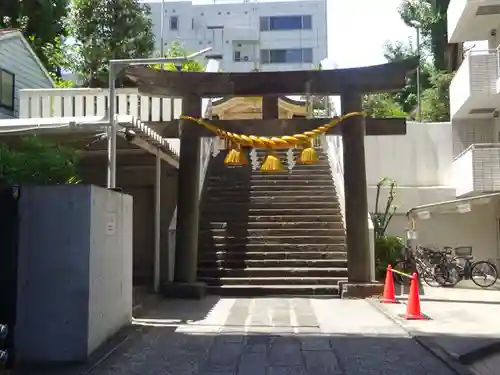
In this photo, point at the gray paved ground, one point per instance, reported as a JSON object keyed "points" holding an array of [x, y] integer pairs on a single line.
{"points": [[270, 336]]}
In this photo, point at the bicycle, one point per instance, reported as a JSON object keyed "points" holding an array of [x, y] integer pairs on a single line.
{"points": [[425, 262], [462, 266]]}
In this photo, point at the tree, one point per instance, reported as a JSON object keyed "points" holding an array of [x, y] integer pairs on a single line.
{"points": [[175, 49], [431, 14], [436, 99], [41, 22], [37, 161], [105, 30], [382, 105]]}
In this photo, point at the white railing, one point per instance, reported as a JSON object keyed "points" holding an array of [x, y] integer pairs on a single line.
{"points": [[333, 146], [477, 169], [50, 103]]}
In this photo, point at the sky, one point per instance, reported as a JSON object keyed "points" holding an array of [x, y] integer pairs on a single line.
{"points": [[357, 30]]}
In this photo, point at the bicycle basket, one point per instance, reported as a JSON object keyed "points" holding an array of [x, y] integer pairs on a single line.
{"points": [[463, 251]]}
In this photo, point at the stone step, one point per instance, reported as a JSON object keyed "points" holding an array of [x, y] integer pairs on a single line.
{"points": [[276, 225], [206, 247], [250, 192], [239, 231], [274, 290], [282, 240], [283, 217], [272, 272], [270, 199], [243, 206], [263, 184], [272, 263], [225, 212], [272, 280], [325, 178], [223, 168], [224, 255]]}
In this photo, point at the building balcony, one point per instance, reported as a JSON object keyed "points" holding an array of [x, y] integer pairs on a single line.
{"points": [[91, 102], [477, 170], [473, 90], [471, 20]]}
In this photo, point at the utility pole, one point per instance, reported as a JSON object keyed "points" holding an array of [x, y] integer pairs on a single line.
{"points": [[417, 25]]}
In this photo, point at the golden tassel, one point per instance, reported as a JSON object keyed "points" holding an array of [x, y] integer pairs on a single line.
{"points": [[236, 157], [308, 155], [272, 163]]}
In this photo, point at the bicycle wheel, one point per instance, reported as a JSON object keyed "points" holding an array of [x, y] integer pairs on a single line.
{"points": [[453, 274], [432, 275], [484, 274]]}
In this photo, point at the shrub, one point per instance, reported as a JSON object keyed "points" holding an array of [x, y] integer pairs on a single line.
{"points": [[387, 251]]}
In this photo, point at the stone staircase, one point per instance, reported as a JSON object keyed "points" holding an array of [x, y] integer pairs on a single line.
{"points": [[271, 233]]}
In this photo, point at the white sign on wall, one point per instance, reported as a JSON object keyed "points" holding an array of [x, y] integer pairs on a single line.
{"points": [[110, 223]]}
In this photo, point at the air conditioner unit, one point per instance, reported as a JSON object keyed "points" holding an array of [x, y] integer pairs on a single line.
{"points": [[245, 58]]}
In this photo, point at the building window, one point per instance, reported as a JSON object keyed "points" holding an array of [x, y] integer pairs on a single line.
{"points": [[7, 82], [286, 56], [237, 56], [285, 23], [174, 23]]}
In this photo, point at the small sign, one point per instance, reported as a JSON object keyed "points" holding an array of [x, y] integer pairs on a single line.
{"points": [[424, 215], [110, 223], [463, 208], [411, 234]]}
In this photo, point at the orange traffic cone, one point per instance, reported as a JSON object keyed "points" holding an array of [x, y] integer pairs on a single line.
{"points": [[389, 296], [413, 308]]}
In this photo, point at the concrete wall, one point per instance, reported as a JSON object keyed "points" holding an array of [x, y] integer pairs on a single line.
{"points": [[421, 164], [478, 228], [74, 276], [139, 183]]}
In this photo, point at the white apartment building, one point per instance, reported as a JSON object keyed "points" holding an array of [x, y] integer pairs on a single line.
{"points": [[475, 93], [248, 34]]}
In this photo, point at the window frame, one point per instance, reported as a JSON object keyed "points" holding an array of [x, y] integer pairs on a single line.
{"points": [[269, 56], [266, 22], [170, 24], [13, 89]]}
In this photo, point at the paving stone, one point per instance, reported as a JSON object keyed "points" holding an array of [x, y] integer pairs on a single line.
{"points": [[285, 351], [322, 363], [315, 344], [252, 363], [285, 370], [225, 355], [357, 341]]}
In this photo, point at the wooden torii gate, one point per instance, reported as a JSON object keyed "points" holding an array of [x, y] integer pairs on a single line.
{"points": [[350, 84]]}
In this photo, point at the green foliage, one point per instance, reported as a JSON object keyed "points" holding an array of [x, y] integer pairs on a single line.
{"points": [[387, 248], [105, 30], [41, 21], [436, 99], [175, 49], [36, 161], [434, 79], [387, 251], [382, 105], [381, 219], [432, 16]]}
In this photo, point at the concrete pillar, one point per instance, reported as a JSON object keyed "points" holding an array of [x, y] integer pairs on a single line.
{"points": [[186, 252], [356, 202], [186, 240]]}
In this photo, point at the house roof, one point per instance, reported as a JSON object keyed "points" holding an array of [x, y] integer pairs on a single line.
{"points": [[14, 33]]}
